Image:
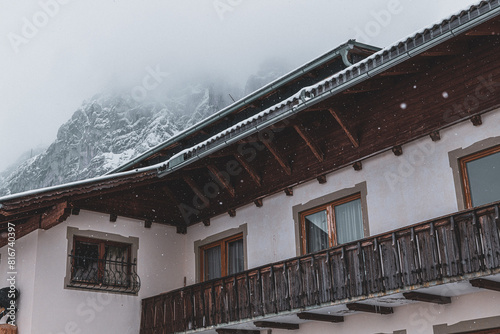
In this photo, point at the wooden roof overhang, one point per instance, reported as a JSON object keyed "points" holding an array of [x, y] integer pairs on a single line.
{"points": [[313, 133]]}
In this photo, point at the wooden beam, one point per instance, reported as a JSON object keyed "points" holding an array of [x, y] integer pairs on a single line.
{"points": [[75, 211], [206, 222], [321, 179], [148, 223], [289, 191], [476, 120], [346, 127], [277, 325], [195, 189], [113, 218], [485, 284], [258, 202], [428, 298], [277, 155], [225, 183], [57, 214], [235, 331], [435, 136], [318, 153], [171, 196], [253, 174], [397, 150], [370, 308], [358, 165], [232, 213], [182, 229], [320, 317]]}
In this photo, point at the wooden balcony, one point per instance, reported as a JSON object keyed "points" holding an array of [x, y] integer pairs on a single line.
{"points": [[456, 247]]}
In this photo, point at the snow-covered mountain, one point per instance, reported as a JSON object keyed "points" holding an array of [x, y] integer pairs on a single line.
{"points": [[112, 128]]}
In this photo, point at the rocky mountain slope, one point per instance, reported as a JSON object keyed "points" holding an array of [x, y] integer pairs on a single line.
{"points": [[110, 129]]}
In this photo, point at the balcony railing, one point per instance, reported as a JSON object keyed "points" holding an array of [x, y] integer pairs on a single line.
{"points": [[463, 243]]}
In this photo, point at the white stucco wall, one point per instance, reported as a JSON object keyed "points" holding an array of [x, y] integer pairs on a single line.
{"points": [[47, 308], [25, 258]]}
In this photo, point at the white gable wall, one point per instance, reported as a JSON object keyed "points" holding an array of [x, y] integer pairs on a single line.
{"points": [[48, 308]]}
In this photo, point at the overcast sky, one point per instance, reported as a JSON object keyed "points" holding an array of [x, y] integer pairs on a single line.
{"points": [[56, 53]]}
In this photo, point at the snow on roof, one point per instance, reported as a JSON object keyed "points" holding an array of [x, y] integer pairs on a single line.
{"points": [[391, 55], [375, 63]]}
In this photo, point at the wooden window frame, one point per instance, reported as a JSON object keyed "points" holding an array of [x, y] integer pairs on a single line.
{"points": [[330, 216], [224, 250], [101, 250], [465, 176]]}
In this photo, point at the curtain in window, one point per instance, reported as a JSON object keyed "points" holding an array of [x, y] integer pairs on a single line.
{"points": [[484, 179], [212, 258], [116, 265], [235, 257], [317, 231], [349, 221]]}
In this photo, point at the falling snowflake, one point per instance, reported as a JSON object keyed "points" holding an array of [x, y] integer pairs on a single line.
{"points": [[403, 105], [445, 95]]}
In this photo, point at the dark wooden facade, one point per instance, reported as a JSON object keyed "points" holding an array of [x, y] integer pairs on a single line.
{"points": [[451, 248]]}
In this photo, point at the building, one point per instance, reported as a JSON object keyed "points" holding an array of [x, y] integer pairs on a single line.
{"points": [[357, 194]]}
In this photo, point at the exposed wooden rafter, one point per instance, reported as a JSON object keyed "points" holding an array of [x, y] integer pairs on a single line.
{"points": [[236, 331], [113, 218], [320, 317], [428, 298], [194, 187], [258, 202], [346, 127], [321, 179], [169, 193], [225, 183], [277, 155], [397, 150], [485, 284], [59, 213], [370, 308], [318, 153], [250, 170], [277, 325]]}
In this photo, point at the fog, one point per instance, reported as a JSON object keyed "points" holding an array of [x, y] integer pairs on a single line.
{"points": [[56, 53]]}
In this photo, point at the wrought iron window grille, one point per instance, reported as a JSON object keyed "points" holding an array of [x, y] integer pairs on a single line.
{"points": [[88, 271]]}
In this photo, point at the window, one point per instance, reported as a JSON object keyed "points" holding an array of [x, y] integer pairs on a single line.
{"points": [[100, 264], [481, 177], [222, 258], [332, 224]]}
